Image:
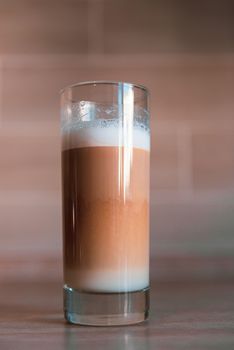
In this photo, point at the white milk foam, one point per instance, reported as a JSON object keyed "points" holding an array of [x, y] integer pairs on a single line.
{"points": [[110, 136]]}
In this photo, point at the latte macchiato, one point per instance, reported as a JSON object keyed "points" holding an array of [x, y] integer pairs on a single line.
{"points": [[106, 208]]}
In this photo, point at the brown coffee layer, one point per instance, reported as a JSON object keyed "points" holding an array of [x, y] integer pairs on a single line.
{"points": [[105, 208]]}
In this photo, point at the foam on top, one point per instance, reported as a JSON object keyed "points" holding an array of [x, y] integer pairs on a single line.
{"points": [[110, 136]]}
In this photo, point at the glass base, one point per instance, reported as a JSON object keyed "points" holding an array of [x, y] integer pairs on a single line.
{"points": [[105, 309]]}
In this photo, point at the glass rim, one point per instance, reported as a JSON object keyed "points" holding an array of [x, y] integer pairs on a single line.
{"points": [[103, 82]]}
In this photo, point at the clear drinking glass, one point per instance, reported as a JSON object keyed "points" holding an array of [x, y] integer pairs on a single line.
{"points": [[105, 180]]}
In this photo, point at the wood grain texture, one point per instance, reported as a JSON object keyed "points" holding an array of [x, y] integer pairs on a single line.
{"points": [[184, 314], [168, 26], [182, 51], [192, 180], [44, 26]]}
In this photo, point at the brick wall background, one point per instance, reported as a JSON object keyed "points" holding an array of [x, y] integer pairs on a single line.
{"points": [[183, 51]]}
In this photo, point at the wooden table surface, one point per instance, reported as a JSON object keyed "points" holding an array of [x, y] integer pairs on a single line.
{"points": [[184, 315]]}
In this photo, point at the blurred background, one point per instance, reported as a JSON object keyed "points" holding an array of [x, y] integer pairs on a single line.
{"points": [[183, 51]]}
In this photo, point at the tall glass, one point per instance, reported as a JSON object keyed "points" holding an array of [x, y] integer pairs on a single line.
{"points": [[105, 180]]}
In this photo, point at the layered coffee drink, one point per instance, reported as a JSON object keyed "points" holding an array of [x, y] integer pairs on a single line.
{"points": [[106, 207]]}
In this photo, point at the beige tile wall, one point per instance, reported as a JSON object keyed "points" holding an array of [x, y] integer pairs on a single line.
{"points": [[44, 47]]}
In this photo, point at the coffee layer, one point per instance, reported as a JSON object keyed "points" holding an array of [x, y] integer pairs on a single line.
{"points": [[106, 208]]}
